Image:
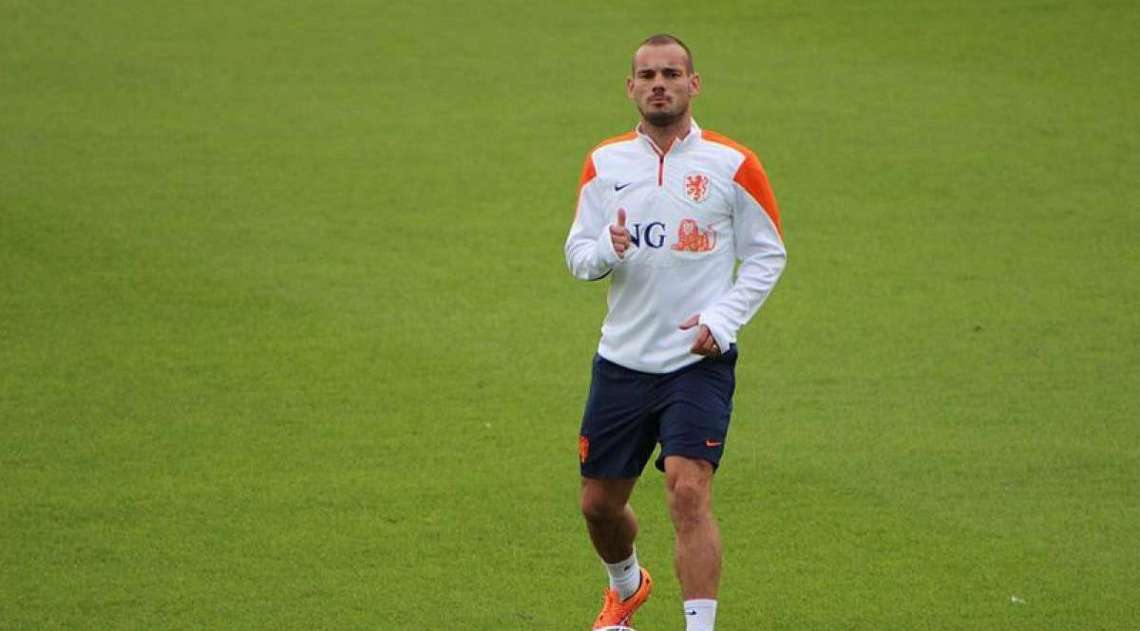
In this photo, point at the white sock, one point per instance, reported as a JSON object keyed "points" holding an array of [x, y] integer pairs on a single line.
{"points": [[700, 614], [625, 576]]}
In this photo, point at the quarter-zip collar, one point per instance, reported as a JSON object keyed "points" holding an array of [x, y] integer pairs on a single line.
{"points": [[678, 143]]}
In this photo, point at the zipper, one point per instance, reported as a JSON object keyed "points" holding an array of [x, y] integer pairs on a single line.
{"points": [[660, 162]]}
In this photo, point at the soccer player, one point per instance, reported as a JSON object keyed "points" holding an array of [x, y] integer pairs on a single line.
{"points": [[666, 211]]}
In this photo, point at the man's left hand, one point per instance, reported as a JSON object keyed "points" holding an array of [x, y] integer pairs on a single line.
{"points": [[705, 344]]}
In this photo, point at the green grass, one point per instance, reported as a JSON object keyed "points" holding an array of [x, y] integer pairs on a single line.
{"points": [[287, 341]]}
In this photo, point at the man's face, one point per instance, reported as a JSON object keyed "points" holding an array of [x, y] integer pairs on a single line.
{"points": [[661, 85]]}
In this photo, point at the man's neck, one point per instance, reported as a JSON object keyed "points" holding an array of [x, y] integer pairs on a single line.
{"points": [[663, 137]]}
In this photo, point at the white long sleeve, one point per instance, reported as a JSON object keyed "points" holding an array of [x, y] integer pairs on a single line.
{"points": [[589, 250], [762, 257]]}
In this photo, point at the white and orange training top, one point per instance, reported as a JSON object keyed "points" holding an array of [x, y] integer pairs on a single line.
{"points": [[691, 212]]}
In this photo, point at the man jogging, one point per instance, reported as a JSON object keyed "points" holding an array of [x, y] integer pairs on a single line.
{"points": [[666, 211]]}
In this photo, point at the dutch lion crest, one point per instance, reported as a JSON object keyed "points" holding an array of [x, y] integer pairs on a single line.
{"points": [[697, 187]]}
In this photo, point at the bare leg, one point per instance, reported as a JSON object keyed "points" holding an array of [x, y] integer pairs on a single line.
{"points": [[689, 485], [610, 520]]}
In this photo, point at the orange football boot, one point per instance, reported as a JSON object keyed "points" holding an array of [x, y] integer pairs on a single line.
{"points": [[617, 612]]}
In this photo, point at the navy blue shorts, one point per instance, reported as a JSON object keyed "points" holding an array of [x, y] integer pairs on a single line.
{"points": [[628, 412]]}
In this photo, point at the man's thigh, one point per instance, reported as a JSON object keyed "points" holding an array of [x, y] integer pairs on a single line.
{"points": [[696, 407], [618, 432]]}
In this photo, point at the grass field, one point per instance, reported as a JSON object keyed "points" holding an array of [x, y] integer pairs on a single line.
{"points": [[287, 339]]}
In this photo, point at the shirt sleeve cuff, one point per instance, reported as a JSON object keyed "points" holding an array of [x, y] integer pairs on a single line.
{"points": [[723, 335], [606, 252]]}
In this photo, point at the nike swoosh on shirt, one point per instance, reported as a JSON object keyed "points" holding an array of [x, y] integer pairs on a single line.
{"points": [[618, 187], [713, 443]]}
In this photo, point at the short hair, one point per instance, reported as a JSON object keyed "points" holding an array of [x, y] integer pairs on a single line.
{"points": [[664, 39]]}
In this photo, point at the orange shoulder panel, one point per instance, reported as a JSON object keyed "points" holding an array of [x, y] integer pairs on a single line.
{"points": [[751, 177], [589, 171], [629, 135]]}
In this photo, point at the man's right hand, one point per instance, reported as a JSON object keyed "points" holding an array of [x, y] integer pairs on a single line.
{"points": [[619, 235]]}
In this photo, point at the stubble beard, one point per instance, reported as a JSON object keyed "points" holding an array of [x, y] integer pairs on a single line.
{"points": [[661, 118]]}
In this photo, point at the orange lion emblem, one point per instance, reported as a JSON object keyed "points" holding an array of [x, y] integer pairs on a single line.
{"points": [[690, 237], [697, 187]]}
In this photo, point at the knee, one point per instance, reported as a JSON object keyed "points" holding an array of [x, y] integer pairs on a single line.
{"points": [[597, 508], [688, 501]]}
